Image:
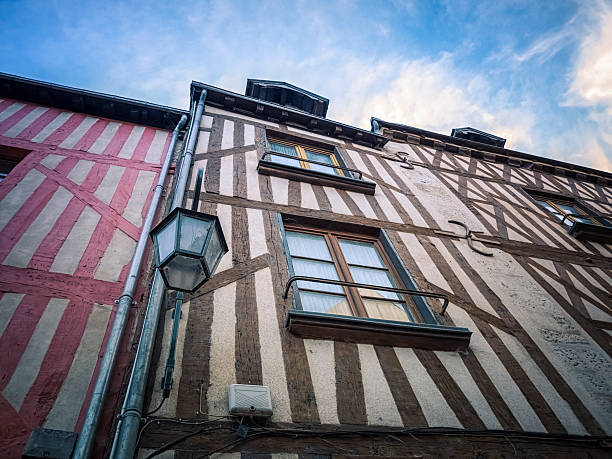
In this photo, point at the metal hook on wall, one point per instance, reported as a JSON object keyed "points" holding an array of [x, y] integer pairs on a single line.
{"points": [[401, 157], [469, 236]]}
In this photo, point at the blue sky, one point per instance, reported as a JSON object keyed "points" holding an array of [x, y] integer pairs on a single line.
{"points": [[536, 72]]}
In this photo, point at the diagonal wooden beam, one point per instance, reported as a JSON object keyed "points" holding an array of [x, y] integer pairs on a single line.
{"points": [[105, 210], [228, 276]]}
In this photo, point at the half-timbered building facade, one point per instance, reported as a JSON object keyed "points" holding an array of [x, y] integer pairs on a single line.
{"points": [[78, 172], [397, 292], [504, 350]]}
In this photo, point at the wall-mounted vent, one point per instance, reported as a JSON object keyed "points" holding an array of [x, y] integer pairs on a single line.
{"points": [[248, 400], [287, 95], [475, 135]]}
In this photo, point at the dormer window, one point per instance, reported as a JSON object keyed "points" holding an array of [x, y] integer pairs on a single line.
{"points": [[287, 95], [475, 135]]}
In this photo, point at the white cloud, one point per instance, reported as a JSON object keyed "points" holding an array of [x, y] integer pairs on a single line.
{"points": [[592, 76], [432, 95], [595, 155], [547, 47], [154, 57], [591, 87]]}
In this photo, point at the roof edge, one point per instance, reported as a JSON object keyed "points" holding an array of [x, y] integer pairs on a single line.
{"points": [[277, 113], [555, 166], [89, 102]]}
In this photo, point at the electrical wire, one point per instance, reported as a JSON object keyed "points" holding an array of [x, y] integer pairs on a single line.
{"points": [[233, 443], [156, 409], [177, 421], [168, 445], [295, 433]]}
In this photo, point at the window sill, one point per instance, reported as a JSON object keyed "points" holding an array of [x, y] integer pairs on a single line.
{"points": [[319, 178], [307, 324], [589, 232]]}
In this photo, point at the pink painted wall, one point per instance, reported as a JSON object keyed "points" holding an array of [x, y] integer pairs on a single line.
{"points": [[70, 215]]}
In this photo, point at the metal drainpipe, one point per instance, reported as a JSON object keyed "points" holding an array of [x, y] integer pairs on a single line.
{"points": [[124, 443], [86, 437]]}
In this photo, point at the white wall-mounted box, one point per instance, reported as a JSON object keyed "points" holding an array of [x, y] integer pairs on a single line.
{"points": [[249, 400]]}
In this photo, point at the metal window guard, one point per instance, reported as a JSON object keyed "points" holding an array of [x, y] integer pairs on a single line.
{"points": [[333, 166], [368, 286]]}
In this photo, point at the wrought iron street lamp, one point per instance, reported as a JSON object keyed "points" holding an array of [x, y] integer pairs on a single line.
{"points": [[188, 247]]}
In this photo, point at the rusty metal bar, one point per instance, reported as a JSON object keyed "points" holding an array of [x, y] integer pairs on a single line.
{"points": [[368, 286]]}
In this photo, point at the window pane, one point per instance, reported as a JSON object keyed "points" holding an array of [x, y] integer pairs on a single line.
{"points": [[551, 209], [183, 272], [322, 158], [214, 252], [569, 209], [285, 161], [193, 233], [285, 149], [321, 269], [6, 166], [320, 302], [308, 245], [585, 220], [547, 206], [282, 148], [374, 277], [361, 253], [166, 239], [386, 310]]}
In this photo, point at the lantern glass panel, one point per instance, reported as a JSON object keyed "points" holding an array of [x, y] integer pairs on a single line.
{"points": [[184, 273], [193, 234], [166, 239], [215, 250]]}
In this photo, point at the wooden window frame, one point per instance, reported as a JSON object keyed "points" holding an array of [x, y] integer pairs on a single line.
{"points": [[429, 334], [554, 203], [301, 152], [553, 200], [598, 228], [350, 180], [353, 297]]}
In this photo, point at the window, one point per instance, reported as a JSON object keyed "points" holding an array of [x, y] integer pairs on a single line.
{"points": [[581, 223], [6, 166], [346, 257], [310, 161], [9, 158], [312, 158], [361, 260], [566, 211]]}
